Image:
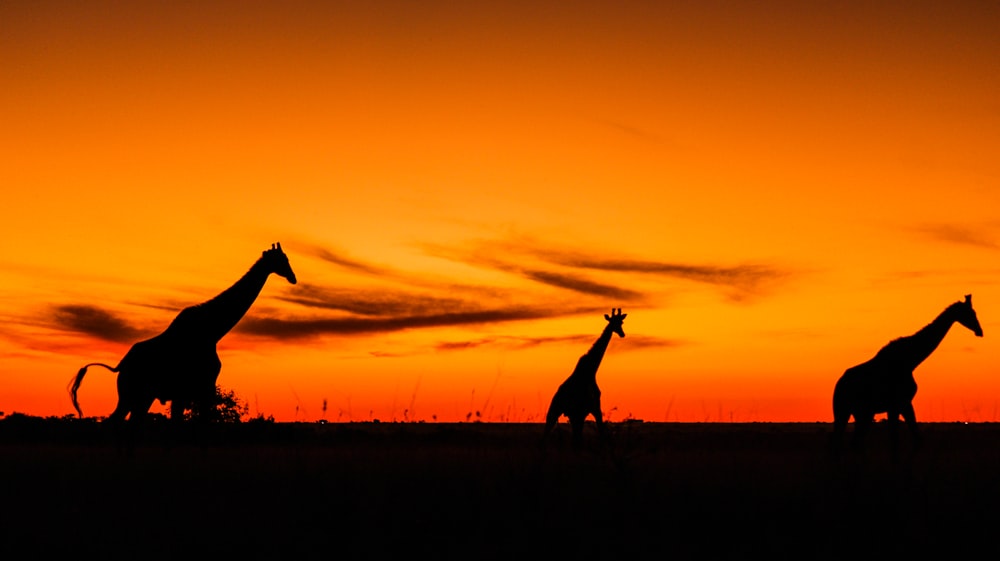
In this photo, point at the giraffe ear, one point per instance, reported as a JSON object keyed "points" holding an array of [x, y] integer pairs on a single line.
{"points": [[607, 317]]}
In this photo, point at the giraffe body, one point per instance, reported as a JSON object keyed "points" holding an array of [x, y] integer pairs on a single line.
{"points": [[181, 365], [885, 384], [579, 397]]}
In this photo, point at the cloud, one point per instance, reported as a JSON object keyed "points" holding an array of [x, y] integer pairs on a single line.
{"points": [[634, 132], [286, 328], [346, 262], [740, 280], [631, 342], [636, 342], [96, 322], [377, 303], [484, 255], [960, 235], [511, 342], [580, 284], [746, 277]]}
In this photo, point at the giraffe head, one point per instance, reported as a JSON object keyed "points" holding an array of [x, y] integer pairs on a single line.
{"points": [[277, 263], [615, 321], [966, 316]]}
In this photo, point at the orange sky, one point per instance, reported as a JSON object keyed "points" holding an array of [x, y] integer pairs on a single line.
{"points": [[771, 191]]}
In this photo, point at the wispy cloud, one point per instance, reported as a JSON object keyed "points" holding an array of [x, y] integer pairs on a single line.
{"points": [[486, 255], [580, 284], [378, 303], [285, 328], [745, 277], [631, 342], [634, 132], [96, 322], [511, 342], [960, 235], [347, 262], [739, 280]]}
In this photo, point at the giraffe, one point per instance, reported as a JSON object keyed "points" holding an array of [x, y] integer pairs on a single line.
{"points": [[885, 384], [181, 364], [579, 395]]}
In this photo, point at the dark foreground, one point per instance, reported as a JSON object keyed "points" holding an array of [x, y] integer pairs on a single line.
{"points": [[488, 491]]}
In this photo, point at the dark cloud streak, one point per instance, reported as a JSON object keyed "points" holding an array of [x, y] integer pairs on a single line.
{"points": [[745, 277], [375, 303], [347, 263], [581, 285], [631, 342], [281, 328], [960, 235], [96, 322]]}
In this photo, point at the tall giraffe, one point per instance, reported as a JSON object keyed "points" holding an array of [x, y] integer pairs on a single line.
{"points": [[579, 395], [885, 384], [181, 365]]}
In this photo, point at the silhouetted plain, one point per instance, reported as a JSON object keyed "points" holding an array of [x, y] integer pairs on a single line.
{"points": [[181, 365], [485, 491], [579, 395], [885, 384]]}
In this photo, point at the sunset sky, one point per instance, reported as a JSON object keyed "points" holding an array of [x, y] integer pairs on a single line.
{"points": [[770, 190]]}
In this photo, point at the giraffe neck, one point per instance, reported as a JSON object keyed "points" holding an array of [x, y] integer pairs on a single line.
{"points": [[917, 347], [591, 360], [220, 314]]}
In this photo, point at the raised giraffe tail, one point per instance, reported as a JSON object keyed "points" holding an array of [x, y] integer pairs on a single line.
{"points": [[79, 379]]}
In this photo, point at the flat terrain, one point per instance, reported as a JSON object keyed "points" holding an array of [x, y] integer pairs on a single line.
{"points": [[490, 491]]}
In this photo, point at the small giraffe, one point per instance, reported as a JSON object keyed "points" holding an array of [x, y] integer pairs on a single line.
{"points": [[885, 384], [579, 395], [181, 365]]}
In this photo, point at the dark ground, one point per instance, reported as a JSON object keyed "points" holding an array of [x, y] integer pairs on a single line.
{"points": [[489, 491]]}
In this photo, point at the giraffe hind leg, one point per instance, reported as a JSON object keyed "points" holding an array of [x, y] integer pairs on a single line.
{"points": [[862, 424], [576, 422], [911, 422], [839, 429], [552, 416]]}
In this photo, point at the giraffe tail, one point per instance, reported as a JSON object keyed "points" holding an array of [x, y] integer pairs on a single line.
{"points": [[79, 379]]}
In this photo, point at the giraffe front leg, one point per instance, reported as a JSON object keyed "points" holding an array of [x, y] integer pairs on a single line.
{"points": [[177, 407], [911, 422], [598, 419], [602, 432], [576, 421], [840, 419], [552, 417], [893, 421], [862, 422]]}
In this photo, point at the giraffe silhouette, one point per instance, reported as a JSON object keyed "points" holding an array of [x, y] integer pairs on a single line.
{"points": [[885, 384], [181, 365], [579, 395]]}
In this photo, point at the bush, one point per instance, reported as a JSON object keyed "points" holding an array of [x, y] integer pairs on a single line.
{"points": [[225, 407]]}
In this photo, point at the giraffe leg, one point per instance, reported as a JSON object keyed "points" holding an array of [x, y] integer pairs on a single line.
{"points": [[139, 409], [911, 422], [599, 421], [839, 428], [862, 423], [130, 431], [118, 415], [177, 410], [893, 422], [576, 421], [552, 417]]}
